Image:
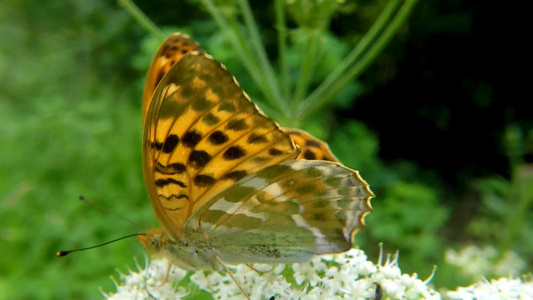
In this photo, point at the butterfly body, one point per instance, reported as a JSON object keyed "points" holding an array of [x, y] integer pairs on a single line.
{"points": [[227, 183], [188, 252]]}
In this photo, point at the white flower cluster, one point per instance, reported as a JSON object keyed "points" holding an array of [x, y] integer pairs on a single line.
{"points": [[151, 282], [476, 262], [503, 288], [346, 275]]}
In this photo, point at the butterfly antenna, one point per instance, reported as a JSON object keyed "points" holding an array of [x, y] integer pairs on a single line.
{"points": [[100, 207], [231, 276], [65, 253]]}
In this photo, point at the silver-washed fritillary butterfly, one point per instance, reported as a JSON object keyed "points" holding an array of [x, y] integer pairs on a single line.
{"points": [[226, 183]]}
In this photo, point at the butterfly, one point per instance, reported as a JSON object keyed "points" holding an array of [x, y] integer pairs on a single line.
{"points": [[226, 183]]}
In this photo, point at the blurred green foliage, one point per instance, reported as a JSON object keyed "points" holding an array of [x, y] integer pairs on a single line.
{"points": [[71, 83]]}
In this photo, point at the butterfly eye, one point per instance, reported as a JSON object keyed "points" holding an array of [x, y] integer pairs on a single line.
{"points": [[155, 242]]}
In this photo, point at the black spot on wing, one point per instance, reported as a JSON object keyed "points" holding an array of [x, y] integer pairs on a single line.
{"points": [[237, 125], [203, 180], [218, 138], [199, 158], [274, 152], [311, 143], [210, 119], [191, 138], [161, 182], [226, 106], [157, 145], [170, 143], [175, 168], [201, 104], [234, 152], [167, 181], [309, 155], [255, 138], [235, 175]]}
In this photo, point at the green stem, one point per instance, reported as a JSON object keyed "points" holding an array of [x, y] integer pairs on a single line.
{"points": [[259, 50], [365, 52], [279, 6], [520, 190], [308, 66], [234, 35], [141, 18]]}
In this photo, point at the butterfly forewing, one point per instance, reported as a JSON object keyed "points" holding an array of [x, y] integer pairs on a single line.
{"points": [[170, 52], [202, 134], [285, 213]]}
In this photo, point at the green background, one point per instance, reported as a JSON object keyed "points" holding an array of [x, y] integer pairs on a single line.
{"points": [[435, 125]]}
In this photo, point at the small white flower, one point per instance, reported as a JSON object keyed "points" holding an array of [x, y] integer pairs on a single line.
{"points": [[362, 288], [392, 287], [305, 273], [502, 288]]}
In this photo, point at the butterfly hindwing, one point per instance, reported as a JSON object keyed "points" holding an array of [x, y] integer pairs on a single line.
{"points": [[311, 148], [285, 213]]}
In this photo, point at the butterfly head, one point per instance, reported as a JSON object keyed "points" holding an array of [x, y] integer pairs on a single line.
{"points": [[153, 240]]}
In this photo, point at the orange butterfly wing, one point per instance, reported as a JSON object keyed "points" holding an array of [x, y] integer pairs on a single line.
{"points": [[169, 53], [202, 134], [311, 148]]}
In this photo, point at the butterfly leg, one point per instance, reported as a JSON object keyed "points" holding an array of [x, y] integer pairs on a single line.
{"points": [[150, 294], [167, 273], [258, 271], [231, 275]]}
